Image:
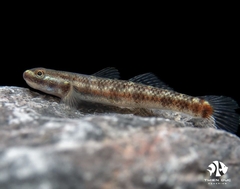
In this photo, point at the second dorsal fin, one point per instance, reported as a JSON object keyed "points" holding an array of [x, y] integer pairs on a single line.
{"points": [[109, 72], [150, 79]]}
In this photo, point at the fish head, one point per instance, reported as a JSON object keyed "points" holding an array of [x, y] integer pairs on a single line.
{"points": [[48, 81]]}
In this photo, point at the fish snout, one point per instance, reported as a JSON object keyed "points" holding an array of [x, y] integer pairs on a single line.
{"points": [[29, 78], [26, 74]]}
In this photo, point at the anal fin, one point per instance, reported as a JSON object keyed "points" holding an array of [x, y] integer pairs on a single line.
{"points": [[143, 112]]}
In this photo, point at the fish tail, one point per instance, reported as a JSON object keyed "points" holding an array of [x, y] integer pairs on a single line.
{"points": [[224, 113]]}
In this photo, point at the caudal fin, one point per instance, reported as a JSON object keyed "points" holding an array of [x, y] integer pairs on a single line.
{"points": [[224, 112]]}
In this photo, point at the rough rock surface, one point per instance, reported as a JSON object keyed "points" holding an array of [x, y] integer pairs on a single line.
{"points": [[47, 145]]}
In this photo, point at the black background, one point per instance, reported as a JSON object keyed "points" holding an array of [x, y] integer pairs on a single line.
{"points": [[196, 54]]}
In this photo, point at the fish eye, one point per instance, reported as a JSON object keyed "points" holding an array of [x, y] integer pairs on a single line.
{"points": [[39, 73]]}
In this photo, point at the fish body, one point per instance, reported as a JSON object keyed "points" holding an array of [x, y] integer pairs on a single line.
{"points": [[143, 91]]}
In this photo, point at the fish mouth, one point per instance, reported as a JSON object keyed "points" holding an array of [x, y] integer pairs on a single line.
{"points": [[27, 76]]}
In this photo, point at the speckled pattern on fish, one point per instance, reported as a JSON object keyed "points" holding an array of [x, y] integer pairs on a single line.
{"points": [[145, 91]]}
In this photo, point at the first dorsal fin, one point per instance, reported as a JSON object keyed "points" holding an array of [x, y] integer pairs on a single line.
{"points": [[109, 72], [150, 79]]}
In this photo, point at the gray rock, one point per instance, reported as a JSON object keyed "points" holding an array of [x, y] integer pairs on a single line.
{"points": [[44, 144]]}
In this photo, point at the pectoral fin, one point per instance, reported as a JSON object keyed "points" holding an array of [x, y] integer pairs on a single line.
{"points": [[72, 98]]}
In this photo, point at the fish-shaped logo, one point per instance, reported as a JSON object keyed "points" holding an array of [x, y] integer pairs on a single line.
{"points": [[218, 168]]}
